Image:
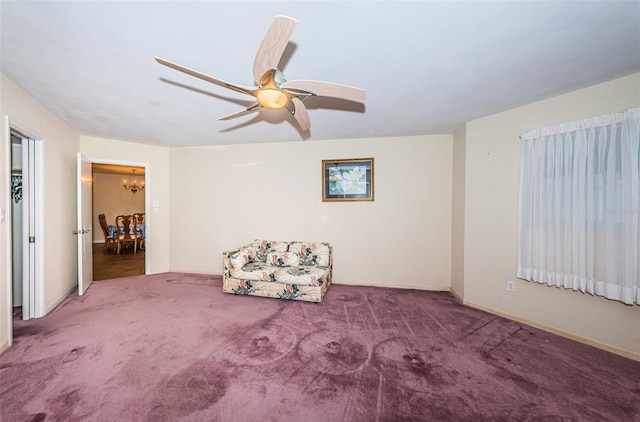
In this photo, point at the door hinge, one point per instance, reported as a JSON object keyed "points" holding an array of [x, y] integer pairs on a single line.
{"points": [[32, 239]]}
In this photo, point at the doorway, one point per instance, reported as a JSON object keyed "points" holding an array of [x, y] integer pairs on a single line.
{"points": [[115, 193]]}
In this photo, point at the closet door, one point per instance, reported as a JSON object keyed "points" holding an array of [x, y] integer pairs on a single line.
{"points": [[32, 229]]}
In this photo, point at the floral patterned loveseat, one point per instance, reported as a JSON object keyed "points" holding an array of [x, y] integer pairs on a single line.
{"points": [[285, 270]]}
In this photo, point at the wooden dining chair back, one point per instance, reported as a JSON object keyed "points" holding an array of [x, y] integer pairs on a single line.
{"points": [[139, 221], [139, 217], [126, 232], [108, 238]]}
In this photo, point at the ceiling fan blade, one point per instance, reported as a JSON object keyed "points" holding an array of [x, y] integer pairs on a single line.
{"points": [[247, 110], [273, 45], [300, 113], [243, 90], [326, 89]]}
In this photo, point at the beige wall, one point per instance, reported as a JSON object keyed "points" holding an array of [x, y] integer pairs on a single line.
{"points": [[492, 163], [112, 200], [236, 194], [458, 210], [5, 234], [156, 189], [60, 147]]}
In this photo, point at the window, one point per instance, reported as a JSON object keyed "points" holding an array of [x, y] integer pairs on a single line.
{"points": [[579, 206]]}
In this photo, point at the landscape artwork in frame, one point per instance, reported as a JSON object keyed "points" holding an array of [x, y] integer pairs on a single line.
{"points": [[347, 180]]}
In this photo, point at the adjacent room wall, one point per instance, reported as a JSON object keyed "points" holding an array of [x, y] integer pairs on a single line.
{"points": [[5, 234], [225, 197], [111, 199], [491, 173], [157, 181], [60, 148]]}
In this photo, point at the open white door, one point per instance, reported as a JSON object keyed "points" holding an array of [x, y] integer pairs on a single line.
{"points": [[32, 228], [28, 230], [85, 238]]}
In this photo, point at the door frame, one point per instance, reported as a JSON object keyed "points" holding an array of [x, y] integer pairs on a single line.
{"points": [[9, 125], [148, 245]]}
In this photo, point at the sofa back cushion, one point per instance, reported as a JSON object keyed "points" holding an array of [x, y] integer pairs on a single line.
{"points": [[263, 247], [311, 253], [283, 259], [242, 257]]}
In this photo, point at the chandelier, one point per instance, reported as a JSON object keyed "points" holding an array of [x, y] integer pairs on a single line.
{"points": [[133, 186]]}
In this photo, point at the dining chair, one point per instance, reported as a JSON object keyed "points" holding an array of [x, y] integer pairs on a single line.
{"points": [[126, 232], [108, 238], [139, 224]]}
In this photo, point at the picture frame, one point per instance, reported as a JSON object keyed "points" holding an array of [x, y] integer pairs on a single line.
{"points": [[348, 180]]}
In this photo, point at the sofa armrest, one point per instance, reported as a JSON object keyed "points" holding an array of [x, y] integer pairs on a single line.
{"points": [[226, 260]]}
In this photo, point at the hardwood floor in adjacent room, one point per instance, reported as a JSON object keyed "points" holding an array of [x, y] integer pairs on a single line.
{"points": [[107, 265]]}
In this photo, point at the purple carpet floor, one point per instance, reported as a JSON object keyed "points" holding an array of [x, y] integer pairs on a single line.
{"points": [[173, 347]]}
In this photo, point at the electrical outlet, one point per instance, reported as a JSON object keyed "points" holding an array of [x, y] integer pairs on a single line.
{"points": [[348, 261], [511, 286]]}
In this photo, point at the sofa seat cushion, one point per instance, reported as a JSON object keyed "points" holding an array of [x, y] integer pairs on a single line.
{"points": [[256, 271], [308, 276]]}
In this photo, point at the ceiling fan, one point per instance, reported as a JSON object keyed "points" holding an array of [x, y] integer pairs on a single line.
{"points": [[273, 91]]}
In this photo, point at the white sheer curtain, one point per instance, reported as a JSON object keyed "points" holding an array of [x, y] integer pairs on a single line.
{"points": [[579, 206]]}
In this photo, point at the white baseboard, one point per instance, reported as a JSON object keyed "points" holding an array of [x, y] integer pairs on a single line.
{"points": [[4, 346], [52, 306], [457, 295], [565, 334], [196, 272], [436, 288]]}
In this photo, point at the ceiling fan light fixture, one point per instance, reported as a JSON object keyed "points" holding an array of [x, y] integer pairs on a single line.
{"points": [[272, 98]]}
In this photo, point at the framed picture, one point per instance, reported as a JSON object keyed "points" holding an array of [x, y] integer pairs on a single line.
{"points": [[347, 180]]}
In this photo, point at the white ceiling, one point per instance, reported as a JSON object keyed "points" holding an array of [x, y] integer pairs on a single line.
{"points": [[427, 66]]}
